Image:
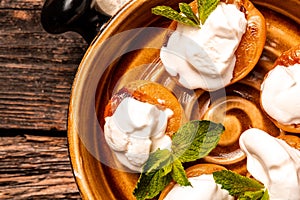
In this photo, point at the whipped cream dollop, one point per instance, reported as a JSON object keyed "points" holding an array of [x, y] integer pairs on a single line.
{"points": [[273, 162], [280, 94], [109, 7], [203, 187], [205, 58], [136, 129]]}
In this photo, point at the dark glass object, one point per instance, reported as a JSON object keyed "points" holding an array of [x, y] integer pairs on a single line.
{"points": [[59, 16]]}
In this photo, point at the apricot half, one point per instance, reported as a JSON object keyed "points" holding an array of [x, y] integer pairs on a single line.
{"points": [[287, 58], [252, 42], [153, 93]]}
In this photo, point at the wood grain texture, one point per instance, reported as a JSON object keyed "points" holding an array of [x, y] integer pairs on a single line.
{"points": [[36, 68], [36, 167], [22, 4]]}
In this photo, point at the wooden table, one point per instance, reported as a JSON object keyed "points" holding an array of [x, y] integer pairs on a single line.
{"points": [[36, 74]]}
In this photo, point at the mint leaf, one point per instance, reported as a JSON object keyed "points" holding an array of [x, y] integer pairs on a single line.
{"points": [[238, 185], [172, 14], [195, 140], [159, 171], [156, 175], [187, 11], [157, 160], [266, 195], [253, 195], [205, 7], [179, 175], [151, 185], [167, 169]]}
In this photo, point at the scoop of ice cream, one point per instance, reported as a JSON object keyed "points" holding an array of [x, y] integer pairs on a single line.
{"points": [[280, 96], [136, 129], [205, 58], [203, 187], [273, 162]]}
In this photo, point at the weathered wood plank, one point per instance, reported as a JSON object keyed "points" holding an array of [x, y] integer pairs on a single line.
{"points": [[35, 167], [36, 68], [21, 4]]}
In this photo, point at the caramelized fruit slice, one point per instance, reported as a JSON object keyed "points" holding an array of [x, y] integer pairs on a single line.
{"points": [[154, 94], [292, 128], [252, 43], [287, 58], [193, 171], [292, 140]]}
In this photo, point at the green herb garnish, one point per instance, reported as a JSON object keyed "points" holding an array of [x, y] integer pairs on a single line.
{"points": [[205, 7], [186, 15], [192, 141], [239, 186]]}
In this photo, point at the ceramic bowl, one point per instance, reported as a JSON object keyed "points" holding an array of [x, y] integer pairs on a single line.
{"points": [[127, 50]]}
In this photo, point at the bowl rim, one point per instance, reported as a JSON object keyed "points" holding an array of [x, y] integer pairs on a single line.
{"points": [[108, 30]]}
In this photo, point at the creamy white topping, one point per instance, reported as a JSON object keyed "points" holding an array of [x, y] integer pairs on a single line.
{"points": [[136, 129], [273, 162], [203, 187], [280, 95], [205, 58], [109, 7]]}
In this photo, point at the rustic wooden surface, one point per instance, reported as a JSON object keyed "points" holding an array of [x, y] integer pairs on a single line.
{"points": [[36, 74], [35, 167], [36, 68]]}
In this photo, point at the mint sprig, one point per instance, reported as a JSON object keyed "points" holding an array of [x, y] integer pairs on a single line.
{"points": [[187, 16], [192, 141], [172, 14], [242, 187], [178, 174], [188, 12]]}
